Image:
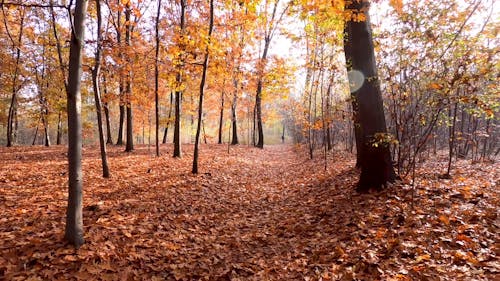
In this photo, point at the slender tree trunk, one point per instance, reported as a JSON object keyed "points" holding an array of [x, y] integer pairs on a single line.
{"points": [[12, 116], [234, 140], [121, 121], [204, 133], [129, 146], [46, 139], [258, 96], [254, 130], [260, 76], [451, 137], [328, 116], [376, 166], [74, 218], [121, 88], [283, 134], [178, 94], [35, 135], [97, 96], [221, 118], [177, 124], [157, 81], [109, 137], [165, 134], [485, 141], [10, 120], [62, 67], [59, 128], [202, 89]]}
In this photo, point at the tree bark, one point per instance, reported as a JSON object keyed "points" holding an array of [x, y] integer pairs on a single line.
{"points": [[165, 134], [74, 219], [157, 81], [202, 89], [59, 128], [178, 93], [375, 158], [121, 89], [129, 146], [121, 121], [258, 105], [12, 116], [221, 118], [234, 139], [109, 137], [97, 95]]}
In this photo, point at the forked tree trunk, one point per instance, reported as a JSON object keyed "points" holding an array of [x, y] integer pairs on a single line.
{"points": [[12, 116], [74, 219], [376, 166]]}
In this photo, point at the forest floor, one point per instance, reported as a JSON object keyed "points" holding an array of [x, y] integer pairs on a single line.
{"points": [[251, 214]]}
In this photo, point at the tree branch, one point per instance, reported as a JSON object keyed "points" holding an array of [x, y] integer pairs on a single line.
{"points": [[32, 5]]}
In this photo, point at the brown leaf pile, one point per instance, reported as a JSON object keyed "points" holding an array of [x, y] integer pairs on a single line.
{"points": [[249, 215]]}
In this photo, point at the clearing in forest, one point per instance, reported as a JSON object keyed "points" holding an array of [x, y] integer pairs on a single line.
{"points": [[250, 214]]}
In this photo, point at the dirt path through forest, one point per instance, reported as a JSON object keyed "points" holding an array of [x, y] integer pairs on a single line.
{"points": [[250, 214]]}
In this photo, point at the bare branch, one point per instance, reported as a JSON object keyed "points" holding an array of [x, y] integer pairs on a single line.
{"points": [[32, 5]]}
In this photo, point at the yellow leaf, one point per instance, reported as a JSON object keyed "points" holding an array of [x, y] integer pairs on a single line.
{"points": [[422, 258]]}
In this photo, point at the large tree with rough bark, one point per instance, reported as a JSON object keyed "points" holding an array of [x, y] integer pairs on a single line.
{"points": [[375, 157]]}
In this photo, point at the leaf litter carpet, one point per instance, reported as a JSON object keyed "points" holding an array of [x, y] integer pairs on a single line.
{"points": [[250, 214]]}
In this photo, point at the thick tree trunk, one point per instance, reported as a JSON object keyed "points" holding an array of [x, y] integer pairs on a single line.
{"points": [[97, 96], [375, 158], [74, 219]]}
